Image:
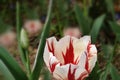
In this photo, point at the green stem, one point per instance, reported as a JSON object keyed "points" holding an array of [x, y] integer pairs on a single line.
{"points": [[59, 25], [17, 21], [28, 65], [85, 8], [22, 51]]}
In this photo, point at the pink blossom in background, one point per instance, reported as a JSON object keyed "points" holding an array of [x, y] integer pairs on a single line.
{"points": [[70, 58], [72, 31], [7, 39], [33, 27]]}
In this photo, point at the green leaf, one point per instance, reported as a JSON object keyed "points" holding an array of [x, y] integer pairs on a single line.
{"points": [[105, 73], [83, 23], [107, 51], [12, 65], [94, 75], [5, 72], [39, 58], [47, 74], [115, 27], [110, 7], [118, 37], [114, 73], [96, 27], [4, 27]]}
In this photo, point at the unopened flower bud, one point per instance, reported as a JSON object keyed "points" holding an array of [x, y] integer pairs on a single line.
{"points": [[24, 39]]}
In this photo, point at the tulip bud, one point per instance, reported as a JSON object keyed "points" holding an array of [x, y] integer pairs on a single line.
{"points": [[24, 39]]}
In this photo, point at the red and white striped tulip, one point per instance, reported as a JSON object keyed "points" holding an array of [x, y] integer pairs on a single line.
{"points": [[70, 58]]}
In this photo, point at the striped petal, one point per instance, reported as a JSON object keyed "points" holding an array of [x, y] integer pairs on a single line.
{"points": [[64, 49], [93, 57], [61, 72], [49, 48], [80, 46]]}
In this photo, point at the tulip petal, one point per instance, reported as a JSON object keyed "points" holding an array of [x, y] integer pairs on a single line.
{"points": [[62, 46], [80, 46], [93, 57], [61, 72], [65, 72], [48, 46], [93, 49], [81, 72], [86, 40]]}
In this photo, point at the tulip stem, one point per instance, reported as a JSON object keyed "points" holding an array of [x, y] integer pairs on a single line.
{"points": [[85, 8], [28, 65], [22, 55]]}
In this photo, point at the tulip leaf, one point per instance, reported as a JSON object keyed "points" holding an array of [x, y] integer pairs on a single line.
{"points": [[46, 73], [39, 57], [12, 65], [118, 37], [5, 72], [107, 51], [83, 24], [115, 27], [114, 73], [4, 27], [110, 7], [94, 75], [105, 73], [96, 27]]}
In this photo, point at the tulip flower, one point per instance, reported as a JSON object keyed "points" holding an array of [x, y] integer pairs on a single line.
{"points": [[70, 58], [7, 39], [33, 27], [72, 31]]}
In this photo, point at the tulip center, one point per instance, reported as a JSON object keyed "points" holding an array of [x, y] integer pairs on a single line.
{"points": [[69, 55]]}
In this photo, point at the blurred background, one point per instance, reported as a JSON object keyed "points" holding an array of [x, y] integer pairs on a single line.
{"points": [[98, 18]]}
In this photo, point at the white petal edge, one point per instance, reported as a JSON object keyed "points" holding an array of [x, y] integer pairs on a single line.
{"points": [[93, 58], [46, 54], [80, 45], [81, 66], [61, 72]]}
